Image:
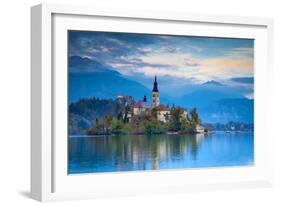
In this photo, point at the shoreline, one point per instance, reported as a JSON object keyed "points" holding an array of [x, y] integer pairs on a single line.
{"points": [[169, 134], [137, 134]]}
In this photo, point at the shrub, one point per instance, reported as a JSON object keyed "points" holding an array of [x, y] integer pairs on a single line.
{"points": [[118, 127], [154, 127]]}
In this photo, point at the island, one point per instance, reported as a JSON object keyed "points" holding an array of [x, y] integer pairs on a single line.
{"points": [[140, 117]]}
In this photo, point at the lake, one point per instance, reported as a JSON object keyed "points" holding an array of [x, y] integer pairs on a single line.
{"points": [[142, 152]]}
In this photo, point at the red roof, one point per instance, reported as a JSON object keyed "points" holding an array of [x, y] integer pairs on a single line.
{"points": [[163, 108]]}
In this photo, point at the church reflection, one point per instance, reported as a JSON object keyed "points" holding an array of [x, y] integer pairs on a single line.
{"points": [[131, 152]]}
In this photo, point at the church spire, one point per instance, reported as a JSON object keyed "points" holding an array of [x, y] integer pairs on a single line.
{"points": [[155, 87], [144, 98], [155, 94]]}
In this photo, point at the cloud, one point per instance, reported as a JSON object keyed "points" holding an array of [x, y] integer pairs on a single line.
{"points": [[179, 60], [200, 58], [197, 48], [227, 67], [106, 46], [241, 52], [184, 65]]}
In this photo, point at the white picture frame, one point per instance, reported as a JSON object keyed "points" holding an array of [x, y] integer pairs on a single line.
{"points": [[49, 180]]}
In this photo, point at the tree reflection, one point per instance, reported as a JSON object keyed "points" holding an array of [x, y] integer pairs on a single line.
{"points": [[131, 152]]}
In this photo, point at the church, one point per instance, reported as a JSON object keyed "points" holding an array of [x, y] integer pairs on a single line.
{"points": [[155, 94], [163, 112], [138, 107]]}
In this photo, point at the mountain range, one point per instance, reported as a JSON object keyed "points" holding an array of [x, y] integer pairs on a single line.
{"points": [[226, 110], [96, 80], [216, 101]]}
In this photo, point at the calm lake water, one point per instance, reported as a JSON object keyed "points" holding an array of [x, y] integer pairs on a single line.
{"points": [[140, 152]]}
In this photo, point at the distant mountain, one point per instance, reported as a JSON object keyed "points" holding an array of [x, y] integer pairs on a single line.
{"points": [[213, 82], [97, 80], [216, 102], [203, 96], [245, 80], [225, 110], [87, 65]]}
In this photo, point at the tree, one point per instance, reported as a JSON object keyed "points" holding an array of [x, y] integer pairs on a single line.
{"points": [[126, 119], [107, 123], [184, 124], [194, 117], [117, 107], [120, 116], [118, 127], [187, 117], [154, 113], [97, 129], [175, 123], [154, 127]]}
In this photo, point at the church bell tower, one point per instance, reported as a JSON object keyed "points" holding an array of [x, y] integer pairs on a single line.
{"points": [[155, 94]]}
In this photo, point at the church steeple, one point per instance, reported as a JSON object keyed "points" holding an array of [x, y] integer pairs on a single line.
{"points": [[144, 98], [155, 87], [155, 94]]}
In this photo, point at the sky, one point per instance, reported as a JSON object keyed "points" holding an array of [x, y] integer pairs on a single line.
{"points": [[189, 58]]}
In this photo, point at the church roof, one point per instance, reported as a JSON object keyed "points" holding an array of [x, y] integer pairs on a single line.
{"points": [[140, 104], [155, 85], [163, 108]]}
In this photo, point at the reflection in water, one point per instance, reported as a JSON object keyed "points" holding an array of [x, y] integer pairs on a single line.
{"points": [[140, 152]]}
